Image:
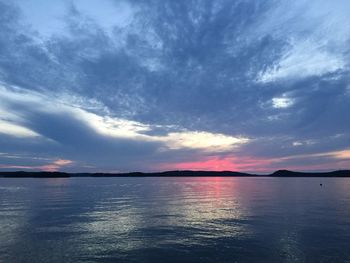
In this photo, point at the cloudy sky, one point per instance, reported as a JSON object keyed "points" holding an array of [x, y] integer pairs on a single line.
{"points": [[149, 85]]}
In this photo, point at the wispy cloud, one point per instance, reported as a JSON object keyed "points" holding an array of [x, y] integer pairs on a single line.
{"points": [[52, 167], [133, 85]]}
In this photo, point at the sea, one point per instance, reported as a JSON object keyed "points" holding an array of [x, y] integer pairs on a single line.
{"points": [[175, 219]]}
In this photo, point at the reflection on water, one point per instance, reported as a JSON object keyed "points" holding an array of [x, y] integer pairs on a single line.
{"points": [[175, 220]]}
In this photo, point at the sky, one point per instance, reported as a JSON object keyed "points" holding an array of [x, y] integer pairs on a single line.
{"points": [[146, 85]]}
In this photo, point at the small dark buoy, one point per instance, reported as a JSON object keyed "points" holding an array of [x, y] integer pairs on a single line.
{"points": [[320, 184]]}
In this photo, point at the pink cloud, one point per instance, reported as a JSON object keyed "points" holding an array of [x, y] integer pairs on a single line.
{"points": [[52, 167], [217, 163]]}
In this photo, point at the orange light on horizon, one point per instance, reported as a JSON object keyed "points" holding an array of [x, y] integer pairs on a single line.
{"points": [[51, 167], [216, 163]]}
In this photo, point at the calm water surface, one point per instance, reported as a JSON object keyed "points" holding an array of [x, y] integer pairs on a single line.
{"points": [[175, 220]]}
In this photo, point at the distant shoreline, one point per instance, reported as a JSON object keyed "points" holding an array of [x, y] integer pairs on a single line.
{"points": [[279, 173]]}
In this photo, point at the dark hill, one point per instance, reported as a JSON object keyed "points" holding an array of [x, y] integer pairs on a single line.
{"points": [[279, 173], [286, 173], [34, 174], [175, 174]]}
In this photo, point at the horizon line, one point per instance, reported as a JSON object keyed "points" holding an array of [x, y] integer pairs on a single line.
{"points": [[177, 173]]}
